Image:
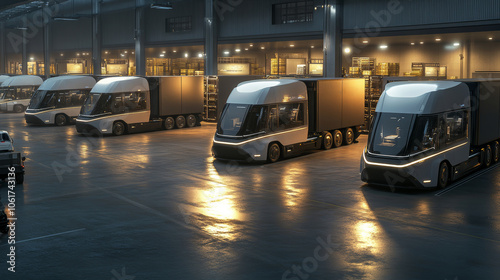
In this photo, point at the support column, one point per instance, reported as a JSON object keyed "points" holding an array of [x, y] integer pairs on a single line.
{"points": [[468, 53], [211, 38], [46, 48], [140, 52], [96, 36], [24, 64], [2, 49], [332, 38]]}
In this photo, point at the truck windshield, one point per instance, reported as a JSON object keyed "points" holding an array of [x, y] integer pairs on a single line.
{"points": [[36, 99], [243, 119], [96, 104], [390, 134]]}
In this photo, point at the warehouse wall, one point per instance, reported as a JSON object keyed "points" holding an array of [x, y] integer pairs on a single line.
{"points": [[485, 57], [410, 13], [405, 55], [118, 29], [155, 23], [71, 35], [254, 18]]}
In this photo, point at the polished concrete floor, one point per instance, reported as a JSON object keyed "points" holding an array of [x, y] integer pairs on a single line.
{"points": [[156, 206]]}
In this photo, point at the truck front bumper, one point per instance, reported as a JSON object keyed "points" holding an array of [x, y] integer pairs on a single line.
{"points": [[33, 120]]}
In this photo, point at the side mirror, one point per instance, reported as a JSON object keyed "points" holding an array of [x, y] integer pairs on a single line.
{"points": [[23, 158]]}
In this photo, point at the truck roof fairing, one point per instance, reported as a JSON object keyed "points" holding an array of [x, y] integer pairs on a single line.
{"points": [[68, 83], [427, 97], [3, 78], [268, 92], [121, 84], [23, 80]]}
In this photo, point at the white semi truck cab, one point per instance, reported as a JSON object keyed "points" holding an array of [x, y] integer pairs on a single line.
{"points": [[122, 105], [16, 92], [266, 120], [59, 100], [427, 134]]}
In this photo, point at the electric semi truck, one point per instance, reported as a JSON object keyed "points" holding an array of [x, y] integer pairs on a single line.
{"points": [[16, 92], [267, 120], [427, 134], [59, 100], [122, 105]]}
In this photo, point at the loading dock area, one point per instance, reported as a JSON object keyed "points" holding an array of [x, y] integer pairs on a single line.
{"points": [[170, 212]]}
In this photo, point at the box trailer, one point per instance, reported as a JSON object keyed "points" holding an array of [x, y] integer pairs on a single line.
{"points": [[427, 134], [16, 92], [59, 100], [122, 105], [266, 120]]}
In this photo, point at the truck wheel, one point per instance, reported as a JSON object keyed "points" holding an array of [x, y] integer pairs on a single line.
{"points": [[191, 121], [118, 128], [169, 123], [337, 138], [443, 175], [496, 151], [273, 152], [61, 120], [349, 136], [487, 156], [327, 140], [180, 121], [18, 108], [19, 178]]}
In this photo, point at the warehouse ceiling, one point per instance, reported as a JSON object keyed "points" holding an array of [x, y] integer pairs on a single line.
{"points": [[10, 8]]}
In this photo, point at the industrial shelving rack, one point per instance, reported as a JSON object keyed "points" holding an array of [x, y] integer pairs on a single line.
{"points": [[211, 96], [373, 90]]}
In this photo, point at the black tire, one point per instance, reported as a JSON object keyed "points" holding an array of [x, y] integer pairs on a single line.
{"points": [[443, 175], [349, 136], [118, 128], [496, 151], [180, 121], [18, 108], [191, 121], [169, 123], [273, 152], [488, 156], [337, 138], [61, 120], [327, 141], [19, 178]]}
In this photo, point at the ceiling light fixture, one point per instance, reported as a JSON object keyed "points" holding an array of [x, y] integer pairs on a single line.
{"points": [[383, 46], [161, 6], [65, 18]]}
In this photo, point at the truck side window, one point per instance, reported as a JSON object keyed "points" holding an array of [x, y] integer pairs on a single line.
{"points": [[425, 134], [291, 115], [456, 126], [273, 119]]}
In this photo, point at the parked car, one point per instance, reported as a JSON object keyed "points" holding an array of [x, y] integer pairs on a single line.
{"points": [[6, 142]]}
